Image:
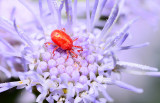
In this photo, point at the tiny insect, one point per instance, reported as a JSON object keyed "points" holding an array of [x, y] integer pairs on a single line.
{"points": [[63, 41]]}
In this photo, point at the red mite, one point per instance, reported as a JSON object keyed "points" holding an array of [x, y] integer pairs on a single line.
{"points": [[63, 41]]}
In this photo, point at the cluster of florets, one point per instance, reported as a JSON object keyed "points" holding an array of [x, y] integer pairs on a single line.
{"points": [[80, 73], [57, 64]]}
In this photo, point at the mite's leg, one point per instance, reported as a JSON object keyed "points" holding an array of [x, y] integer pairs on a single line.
{"points": [[81, 49], [49, 43], [75, 55], [63, 29], [75, 39], [55, 49], [67, 54]]}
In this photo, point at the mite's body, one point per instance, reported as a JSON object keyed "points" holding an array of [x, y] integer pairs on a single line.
{"points": [[64, 41]]}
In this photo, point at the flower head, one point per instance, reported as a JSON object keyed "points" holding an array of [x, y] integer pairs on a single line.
{"points": [[79, 79]]}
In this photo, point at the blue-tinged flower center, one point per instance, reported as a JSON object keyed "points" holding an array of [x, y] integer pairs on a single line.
{"points": [[76, 68]]}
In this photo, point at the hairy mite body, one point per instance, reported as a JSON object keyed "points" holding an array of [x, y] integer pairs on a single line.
{"points": [[64, 41]]}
